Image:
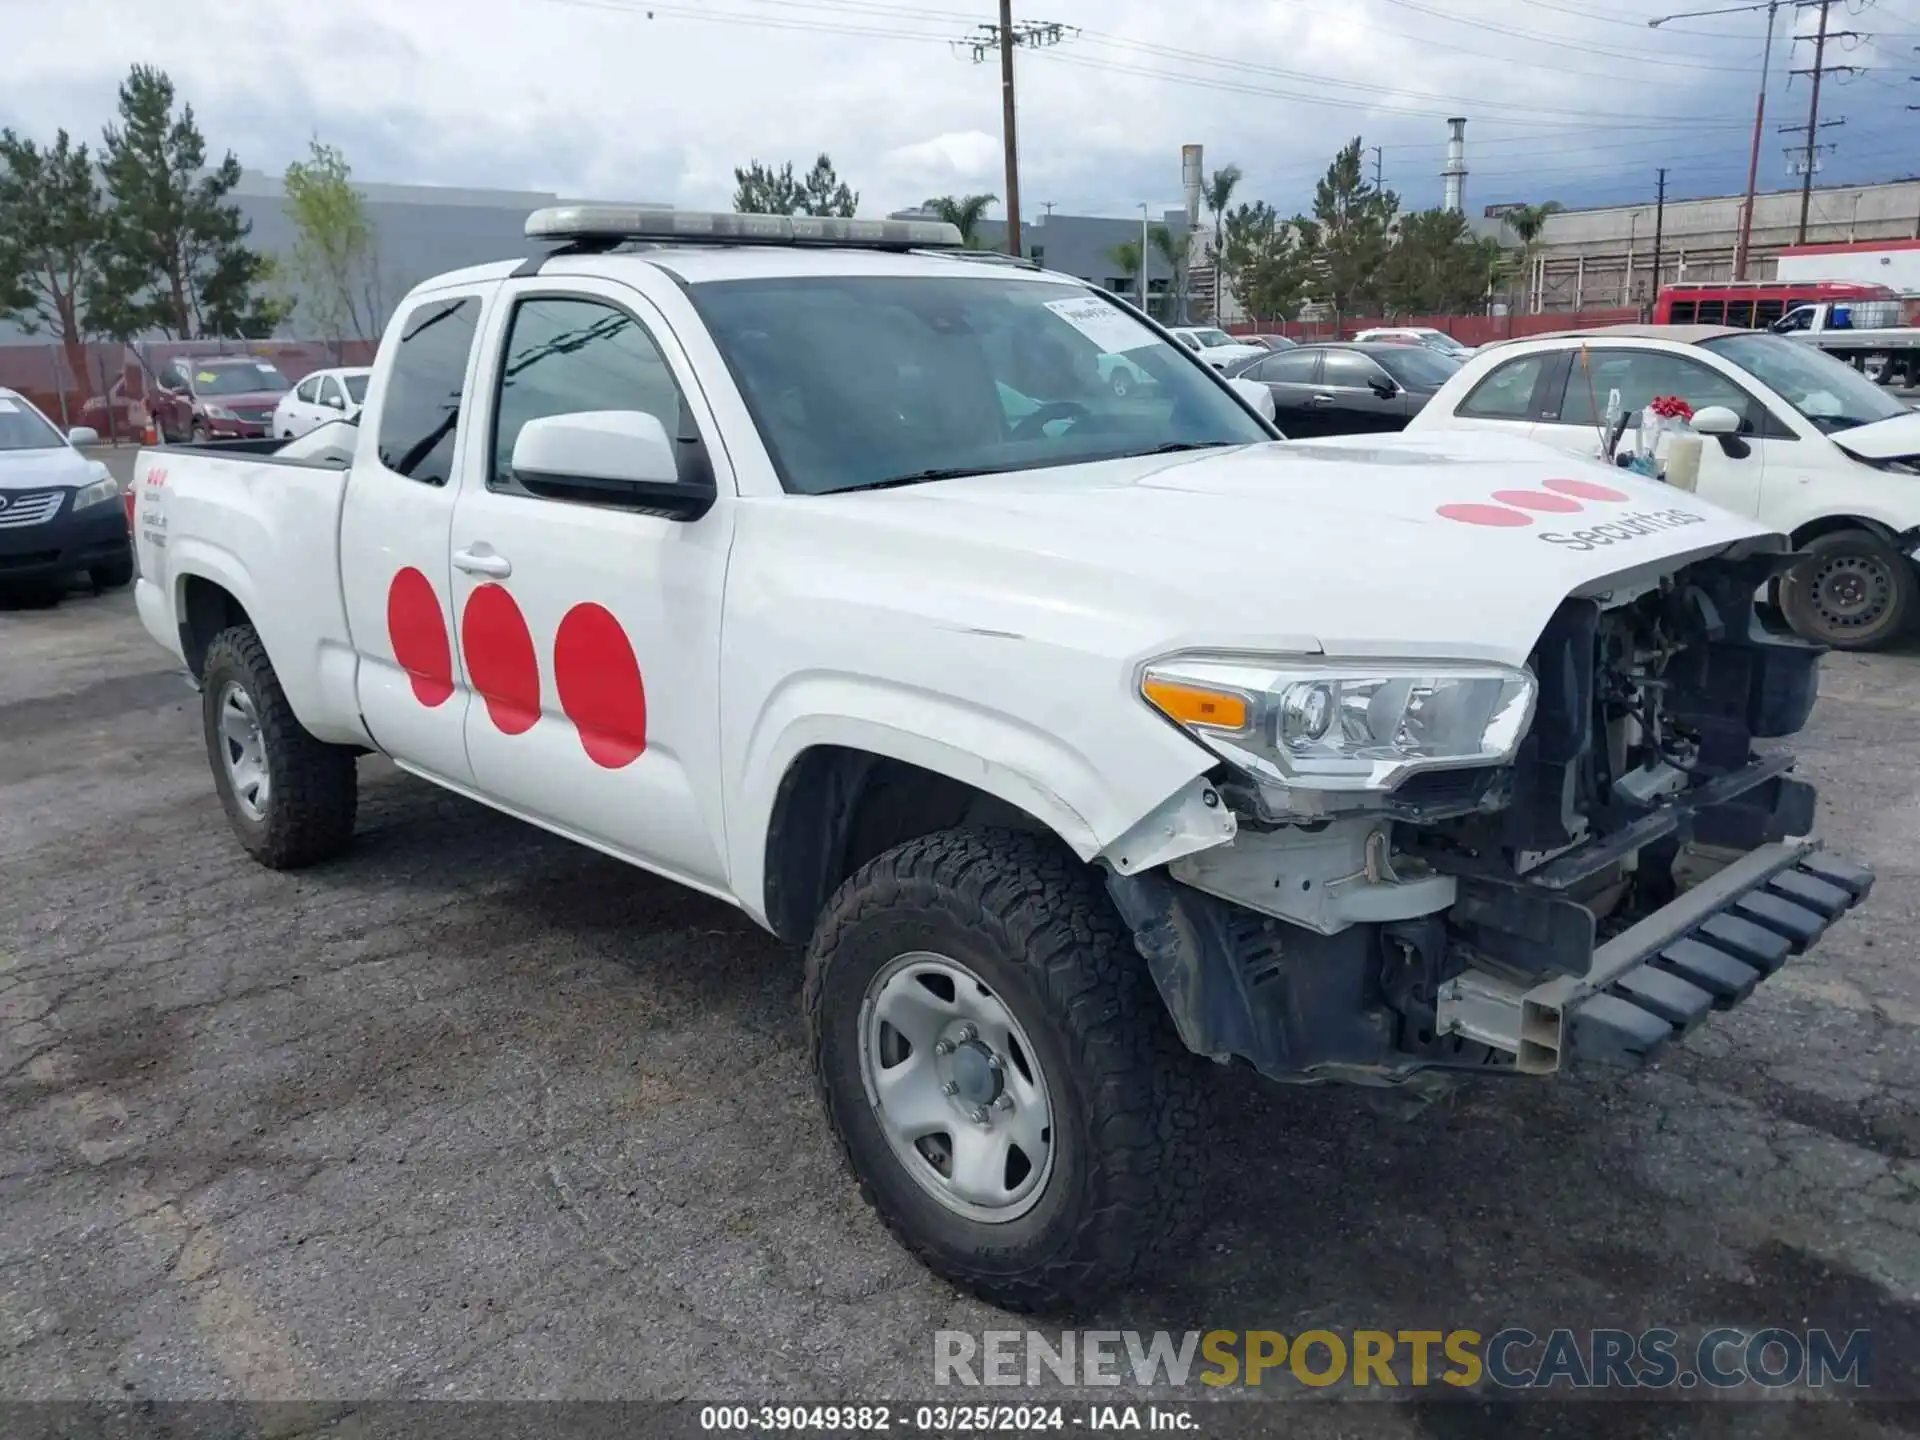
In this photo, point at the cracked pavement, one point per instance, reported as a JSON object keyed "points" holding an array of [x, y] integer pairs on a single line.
{"points": [[476, 1113]]}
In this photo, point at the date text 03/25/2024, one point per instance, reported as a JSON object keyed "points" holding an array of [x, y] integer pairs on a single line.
{"points": [[948, 1419]]}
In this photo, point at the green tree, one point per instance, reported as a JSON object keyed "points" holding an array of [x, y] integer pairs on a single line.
{"points": [[1126, 257], [335, 259], [964, 213], [52, 220], [175, 257], [1268, 262], [762, 190], [1351, 232], [1436, 266], [1172, 248], [1217, 194], [1527, 223]]}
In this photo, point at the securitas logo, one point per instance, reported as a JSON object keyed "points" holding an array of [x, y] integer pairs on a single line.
{"points": [[1569, 497]]}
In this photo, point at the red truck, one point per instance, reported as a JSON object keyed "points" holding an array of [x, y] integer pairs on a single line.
{"points": [[223, 397]]}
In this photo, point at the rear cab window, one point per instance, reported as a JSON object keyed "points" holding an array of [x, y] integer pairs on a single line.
{"points": [[426, 387]]}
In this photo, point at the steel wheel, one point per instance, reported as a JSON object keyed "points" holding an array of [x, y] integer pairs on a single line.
{"points": [[1851, 592], [244, 750], [956, 1088]]}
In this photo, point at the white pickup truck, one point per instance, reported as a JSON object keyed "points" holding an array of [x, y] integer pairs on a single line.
{"points": [[815, 565], [1870, 335]]}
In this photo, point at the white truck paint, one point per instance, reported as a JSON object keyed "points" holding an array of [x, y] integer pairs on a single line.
{"points": [[1017, 749], [1868, 334]]}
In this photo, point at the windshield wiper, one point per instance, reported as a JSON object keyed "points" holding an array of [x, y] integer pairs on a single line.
{"points": [[1174, 447], [919, 477]]}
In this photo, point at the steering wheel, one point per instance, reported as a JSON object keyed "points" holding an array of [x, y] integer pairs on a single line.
{"points": [[1051, 410]]}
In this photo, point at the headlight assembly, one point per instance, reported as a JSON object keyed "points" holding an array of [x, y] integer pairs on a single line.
{"points": [[1349, 726], [97, 493], [220, 412]]}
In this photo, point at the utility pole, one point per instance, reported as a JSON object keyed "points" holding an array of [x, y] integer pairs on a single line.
{"points": [[1004, 39], [1809, 153], [1659, 231], [1378, 163], [1744, 246]]}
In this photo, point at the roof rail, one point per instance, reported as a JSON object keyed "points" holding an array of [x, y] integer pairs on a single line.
{"points": [[982, 257], [604, 226]]}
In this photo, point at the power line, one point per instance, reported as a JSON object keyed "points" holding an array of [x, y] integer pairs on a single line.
{"points": [[1810, 152], [1003, 39]]}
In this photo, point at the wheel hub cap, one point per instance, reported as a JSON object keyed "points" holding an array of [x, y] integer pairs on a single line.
{"points": [[1851, 591], [956, 1087], [244, 749]]}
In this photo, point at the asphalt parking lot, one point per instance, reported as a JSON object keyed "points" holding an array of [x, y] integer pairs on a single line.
{"points": [[474, 1113]]}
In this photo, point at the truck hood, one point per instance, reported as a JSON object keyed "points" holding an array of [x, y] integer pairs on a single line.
{"points": [[1892, 439], [40, 469], [1453, 544]]}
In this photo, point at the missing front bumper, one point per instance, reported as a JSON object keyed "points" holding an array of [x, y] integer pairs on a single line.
{"points": [[1651, 984]]}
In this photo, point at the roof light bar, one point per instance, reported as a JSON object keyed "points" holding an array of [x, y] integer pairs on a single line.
{"points": [[575, 224]]}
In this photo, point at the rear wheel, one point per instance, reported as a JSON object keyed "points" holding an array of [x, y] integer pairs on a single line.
{"points": [[1002, 1076], [1852, 591], [290, 798]]}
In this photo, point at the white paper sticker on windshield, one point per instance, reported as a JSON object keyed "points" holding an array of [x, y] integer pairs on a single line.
{"points": [[263, 367], [7, 407], [1112, 329]]}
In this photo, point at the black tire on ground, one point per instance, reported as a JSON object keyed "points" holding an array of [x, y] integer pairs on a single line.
{"points": [[312, 789], [198, 434], [1128, 1100], [112, 576], [1853, 591]]}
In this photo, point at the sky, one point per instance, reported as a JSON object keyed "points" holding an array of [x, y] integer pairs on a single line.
{"points": [[634, 100]]}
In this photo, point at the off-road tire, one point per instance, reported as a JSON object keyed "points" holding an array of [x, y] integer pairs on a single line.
{"points": [[1799, 602], [1129, 1100], [313, 790], [115, 576]]}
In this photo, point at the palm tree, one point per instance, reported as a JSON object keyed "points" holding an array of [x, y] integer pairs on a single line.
{"points": [[1218, 194], [1126, 255], [964, 213], [1527, 222], [1173, 250]]}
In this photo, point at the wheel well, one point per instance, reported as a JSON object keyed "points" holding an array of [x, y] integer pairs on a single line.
{"points": [[1831, 524], [838, 808], [205, 610]]}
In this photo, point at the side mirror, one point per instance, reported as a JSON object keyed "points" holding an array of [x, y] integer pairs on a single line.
{"points": [[83, 435], [1716, 420], [1256, 395], [608, 457], [1385, 389]]}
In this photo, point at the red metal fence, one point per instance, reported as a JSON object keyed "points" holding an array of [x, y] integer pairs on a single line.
{"points": [[106, 386], [1467, 329]]}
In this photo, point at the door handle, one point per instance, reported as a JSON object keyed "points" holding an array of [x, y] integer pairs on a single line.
{"points": [[483, 562], [1321, 400]]}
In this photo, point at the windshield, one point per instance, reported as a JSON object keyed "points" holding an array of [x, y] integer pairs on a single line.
{"points": [[356, 387], [1829, 392], [858, 381], [1417, 367], [21, 427], [1211, 338], [239, 380]]}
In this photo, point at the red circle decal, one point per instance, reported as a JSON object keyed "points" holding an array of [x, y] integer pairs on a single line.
{"points": [[500, 659], [598, 678], [1584, 489], [418, 632], [1484, 515], [1537, 500]]}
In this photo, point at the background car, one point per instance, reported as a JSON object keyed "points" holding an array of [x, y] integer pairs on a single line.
{"points": [[1437, 340], [1269, 342], [1796, 439], [217, 397], [60, 513], [1123, 376], [1214, 345], [1347, 389], [322, 396]]}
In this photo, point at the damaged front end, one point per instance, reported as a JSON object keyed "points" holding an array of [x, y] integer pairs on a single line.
{"points": [[1626, 864]]}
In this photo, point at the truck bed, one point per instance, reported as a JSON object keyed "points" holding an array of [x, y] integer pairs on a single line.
{"points": [[224, 534]]}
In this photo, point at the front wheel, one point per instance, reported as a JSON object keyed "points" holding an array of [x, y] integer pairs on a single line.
{"points": [[999, 1069], [1852, 591], [290, 798]]}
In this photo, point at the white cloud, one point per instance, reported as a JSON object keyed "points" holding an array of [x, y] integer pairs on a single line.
{"points": [[593, 98]]}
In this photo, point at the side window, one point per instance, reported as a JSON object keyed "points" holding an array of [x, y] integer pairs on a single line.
{"points": [[1640, 376], [565, 356], [1798, 319], [1765, 312], [1740, 312], [1506, 394], [425, 388], [1680, 313], [1189, 342], [1346, 370], [330, 394], [308, 389], [1293, 367], [1711, 312]]}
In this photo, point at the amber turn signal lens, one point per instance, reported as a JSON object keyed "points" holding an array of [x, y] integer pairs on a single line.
{"points": [[1193, 705]]}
